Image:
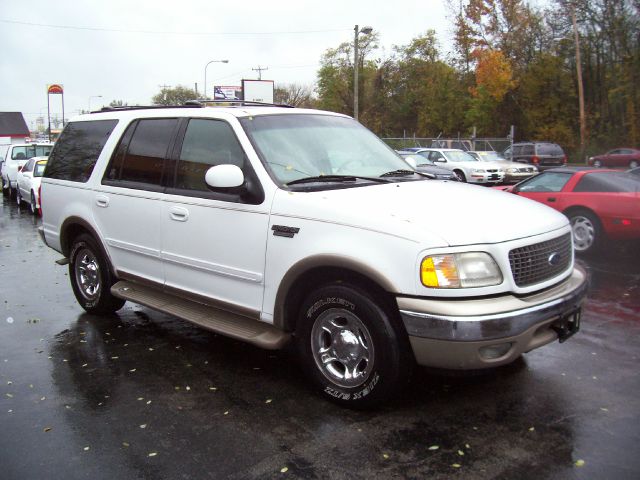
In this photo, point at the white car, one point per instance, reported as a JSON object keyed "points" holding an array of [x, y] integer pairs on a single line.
{"points": [[464, 166], [274, 225], [514, 172], [16, 156], [28, 180]]}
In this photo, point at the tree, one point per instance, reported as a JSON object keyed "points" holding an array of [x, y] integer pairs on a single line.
{"points": [[118, 103], [174, 96], [295, 95]]}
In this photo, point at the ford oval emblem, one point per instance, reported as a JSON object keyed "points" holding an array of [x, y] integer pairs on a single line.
{"points": [[554, 259]]}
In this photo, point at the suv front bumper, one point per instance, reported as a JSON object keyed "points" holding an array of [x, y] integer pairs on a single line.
{"points": [[488, 332]]}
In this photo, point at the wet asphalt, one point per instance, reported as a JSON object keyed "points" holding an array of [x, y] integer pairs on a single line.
{"points": [[143, 395]]}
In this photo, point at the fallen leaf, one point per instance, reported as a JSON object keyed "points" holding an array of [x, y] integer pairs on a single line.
{"points": [[604, 409], [42, 399], [47, 429], [114, 358], [466, 445], [268, 400], [531, 429], [434, 447], [456, 465], [188, 388], [86, 448], [140, 398], [9, 382], [579, 463], [132, 370], [213, 388], [84, 364], [461, 453], [385, 456], [9, 395], [125, 444], [153, 454], [148, 402], [284, 469], [144, 425], [226, 413]]}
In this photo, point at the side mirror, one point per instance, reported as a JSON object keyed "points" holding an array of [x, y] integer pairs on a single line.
{"points": [[224, 176]]}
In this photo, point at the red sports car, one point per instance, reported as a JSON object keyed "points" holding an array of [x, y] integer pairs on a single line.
{"points": [[620, 157], [599, 203]]}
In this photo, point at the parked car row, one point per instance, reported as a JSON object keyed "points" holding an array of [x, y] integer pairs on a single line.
{"points": [[486, 168], [21, 169]]}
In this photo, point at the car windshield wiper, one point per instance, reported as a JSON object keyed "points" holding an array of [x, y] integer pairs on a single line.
{"points": [[335, 178], [403, 173]]}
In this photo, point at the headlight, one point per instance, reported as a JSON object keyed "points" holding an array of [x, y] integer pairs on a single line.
{"points": [[477, 170], [460, 270]]}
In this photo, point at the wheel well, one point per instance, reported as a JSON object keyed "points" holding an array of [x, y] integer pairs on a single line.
{"points": [[576, 209], [316, 277]]}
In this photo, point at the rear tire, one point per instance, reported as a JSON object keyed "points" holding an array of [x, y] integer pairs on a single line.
{"points": [[91, 277], [33, 208], [586, 231], [356, 354]]}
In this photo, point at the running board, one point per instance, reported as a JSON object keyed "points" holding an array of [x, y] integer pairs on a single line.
{"points": [[220, 321]]}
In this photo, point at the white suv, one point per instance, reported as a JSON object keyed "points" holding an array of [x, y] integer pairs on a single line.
{"points": [[272, 224], [15, 158]]}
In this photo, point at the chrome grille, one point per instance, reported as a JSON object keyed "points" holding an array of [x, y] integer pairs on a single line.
{"points": [[534, 263]]}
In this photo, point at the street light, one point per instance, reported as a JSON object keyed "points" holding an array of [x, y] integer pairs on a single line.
{"points": [[205, 75], [357, 31], [93, 96]]}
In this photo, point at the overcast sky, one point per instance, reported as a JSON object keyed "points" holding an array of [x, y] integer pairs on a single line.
{"points": [[126, 49]]}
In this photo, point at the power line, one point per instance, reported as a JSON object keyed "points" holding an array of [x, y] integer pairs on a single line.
{"points": [[165, 32]]}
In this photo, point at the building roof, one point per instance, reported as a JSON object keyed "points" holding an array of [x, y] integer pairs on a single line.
{"points": [[12, 124]]}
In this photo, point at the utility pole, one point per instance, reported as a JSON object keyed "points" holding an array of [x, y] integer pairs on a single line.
{"points": [[259, 70], [356, 67]]}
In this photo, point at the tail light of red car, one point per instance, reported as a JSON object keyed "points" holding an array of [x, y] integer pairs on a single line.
{"points": [[564, 160], [535, 160]]}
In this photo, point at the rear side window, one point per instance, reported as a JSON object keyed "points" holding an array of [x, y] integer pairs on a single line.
{"points": [[139, 158], [546, 182], [78, 149], [527, 150], [28, 151], [608, 182], [549, 149]]}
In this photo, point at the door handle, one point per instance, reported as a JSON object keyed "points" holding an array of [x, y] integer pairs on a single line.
{"points": [[102, 201], [551, 199], [179, 214]]}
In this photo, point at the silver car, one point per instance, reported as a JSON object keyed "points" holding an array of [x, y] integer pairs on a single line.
{"points": [[514, 172]]}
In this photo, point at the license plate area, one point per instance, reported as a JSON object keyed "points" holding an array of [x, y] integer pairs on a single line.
{"points": [[569, 324]]}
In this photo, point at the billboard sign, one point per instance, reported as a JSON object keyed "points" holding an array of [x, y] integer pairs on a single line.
{"points": [[257, 91], [221, 92]]}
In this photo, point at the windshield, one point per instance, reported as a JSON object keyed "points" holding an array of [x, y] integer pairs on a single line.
{"points": [[459, 156], [297, 146], [29, 151], [490, 156]]}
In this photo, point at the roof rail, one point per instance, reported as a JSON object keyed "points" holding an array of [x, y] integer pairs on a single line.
{"points": [[196, 104]]}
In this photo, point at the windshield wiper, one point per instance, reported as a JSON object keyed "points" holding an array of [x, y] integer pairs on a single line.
{"points": [[402, 173], [398, 173], [336, 178]]}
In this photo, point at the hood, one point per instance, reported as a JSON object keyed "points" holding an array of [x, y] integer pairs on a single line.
{"points": [[437, 213]]}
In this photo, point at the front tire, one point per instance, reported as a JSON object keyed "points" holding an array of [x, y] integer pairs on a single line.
{"points": [[586, 231], [460, 175], [597, 164], [356, 354], [18, 197], [633, 163], [91, 277]]}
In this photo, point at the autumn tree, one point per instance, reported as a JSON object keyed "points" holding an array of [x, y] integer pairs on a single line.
{"points": [[172, 96]]}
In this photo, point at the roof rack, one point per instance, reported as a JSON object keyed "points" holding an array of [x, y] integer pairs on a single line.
{"points": [[196, 104]]}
